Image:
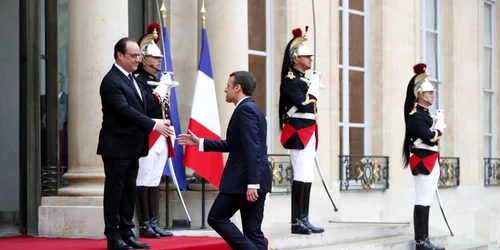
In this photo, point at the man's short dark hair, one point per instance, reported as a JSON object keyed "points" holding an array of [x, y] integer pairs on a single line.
{"points": [[121, 45], [245, 80]]}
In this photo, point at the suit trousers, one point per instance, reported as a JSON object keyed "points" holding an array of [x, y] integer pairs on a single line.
{"points": [[120, 193], [252, 214]]}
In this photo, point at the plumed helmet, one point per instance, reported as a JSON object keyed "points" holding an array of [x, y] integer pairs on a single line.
{"points": [[148, 42], [421, 83], [296, 47]]}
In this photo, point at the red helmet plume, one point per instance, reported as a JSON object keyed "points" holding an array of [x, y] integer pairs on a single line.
{"points": [[151, 27]]}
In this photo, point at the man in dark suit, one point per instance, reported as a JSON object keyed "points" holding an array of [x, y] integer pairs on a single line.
{"points": [[247, 177], [123, 139]]}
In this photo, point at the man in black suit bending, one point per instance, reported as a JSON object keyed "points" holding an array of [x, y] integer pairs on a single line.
{"points": [[247, 177], [123, 139]]}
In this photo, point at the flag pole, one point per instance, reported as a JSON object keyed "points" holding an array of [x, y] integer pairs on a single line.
{"points": [[203, 182], [170, 165], [203, 12]]}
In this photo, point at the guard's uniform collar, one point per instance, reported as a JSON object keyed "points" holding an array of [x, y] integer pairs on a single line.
{"points": [[298, 72], [422, 108]]}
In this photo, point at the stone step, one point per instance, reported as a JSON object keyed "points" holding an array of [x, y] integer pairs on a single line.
{"points": [[353, 236], [335, 233], [401, 242]]}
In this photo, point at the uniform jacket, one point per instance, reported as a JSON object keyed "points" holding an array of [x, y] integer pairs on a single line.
{"points": [[297, 131], [424, 157], [155, 110]]}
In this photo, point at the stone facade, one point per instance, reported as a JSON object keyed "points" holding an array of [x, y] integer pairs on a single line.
{"points": [[394, 46]]}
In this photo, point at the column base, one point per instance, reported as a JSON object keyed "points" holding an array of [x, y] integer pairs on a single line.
{"points": [[71, 217], [89, 183]]}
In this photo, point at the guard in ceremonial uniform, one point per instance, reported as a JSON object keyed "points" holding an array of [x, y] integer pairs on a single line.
{"points": [[151, 167], [298, 126], [421, 150]]}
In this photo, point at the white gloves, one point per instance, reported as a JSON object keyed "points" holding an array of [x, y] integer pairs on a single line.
{"points": [[315, 84], [166, 78], [440, 125], [164, 84]]}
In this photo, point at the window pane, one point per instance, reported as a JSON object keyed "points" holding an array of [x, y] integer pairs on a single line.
{"points": [[356, 40], [487, 25], [356, 140], [487, 113], [136, 27], [340, 96], [341, 140], [257, 66], [487, 68], [257, 25], [431, 54], [430, 14], [340, 38], [487, 146], [356, 97], [356, 5], [340, 3]]}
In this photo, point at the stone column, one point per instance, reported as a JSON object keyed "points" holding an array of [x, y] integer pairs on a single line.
{"points": [[93, 32], [227, 30]]}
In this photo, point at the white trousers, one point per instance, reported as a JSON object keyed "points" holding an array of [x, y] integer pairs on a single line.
{"points": [[425, 186], [151, 166], [303, 161]]}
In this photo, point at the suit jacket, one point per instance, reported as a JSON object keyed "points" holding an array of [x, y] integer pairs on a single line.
{"points": [[125, 126], [246, 143]]}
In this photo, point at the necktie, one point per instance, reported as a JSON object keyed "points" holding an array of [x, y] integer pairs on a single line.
{"points": [[135, 85]]}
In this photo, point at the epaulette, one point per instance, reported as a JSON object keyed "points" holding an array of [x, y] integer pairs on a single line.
{"points": [[290, 75]]}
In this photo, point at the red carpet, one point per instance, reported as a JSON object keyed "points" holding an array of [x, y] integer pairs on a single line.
{"points": [[171, 243]]}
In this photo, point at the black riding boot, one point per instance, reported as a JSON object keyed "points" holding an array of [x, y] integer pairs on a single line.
{"points": [[154, 198], [145, 230], [426, 229], [419, 227], [298, 215], [307, 195]]}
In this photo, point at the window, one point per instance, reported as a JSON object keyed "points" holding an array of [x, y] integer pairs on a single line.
{"points": [[353, 77], [432, 52], [259, 60], [489, 88]]}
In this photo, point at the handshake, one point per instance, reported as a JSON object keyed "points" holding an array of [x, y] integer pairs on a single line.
{"points": [[439, 125], [164, 84]]}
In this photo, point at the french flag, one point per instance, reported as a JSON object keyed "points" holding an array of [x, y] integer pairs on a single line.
{"points": [[204, 121]]}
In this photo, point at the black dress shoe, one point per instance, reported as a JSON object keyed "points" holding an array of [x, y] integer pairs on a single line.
{"points": [[314, 229], [134, 242], [145, 231], [428, 241], [117, 244], [161, 232], [299, 228]]}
